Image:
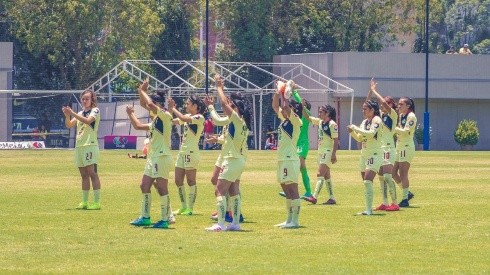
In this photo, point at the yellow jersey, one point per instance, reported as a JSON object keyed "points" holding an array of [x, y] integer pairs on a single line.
{"points": [[388, 129], [160, 132], [288, 135], [406, 129], [327, 132], [235, 138], [369, 134], [87, 133], [192, 133]]}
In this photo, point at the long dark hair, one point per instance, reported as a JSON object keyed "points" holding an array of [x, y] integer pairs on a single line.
{"points": [[297, 107], [391, 102], [158, 97], [332, 114], [409, 102], [243, 108], [373, 105], [201, 107]]}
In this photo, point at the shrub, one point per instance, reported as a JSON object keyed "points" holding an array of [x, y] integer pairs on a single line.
{"points": [[419, 134], [466, 133]]}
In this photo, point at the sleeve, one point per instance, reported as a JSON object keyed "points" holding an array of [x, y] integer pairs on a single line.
{"points": [[217, 119], [334, 129], [95, 112], [197, 119], [315, 120], [163, 115], [372, 130], [295, 120], [409, 126]]}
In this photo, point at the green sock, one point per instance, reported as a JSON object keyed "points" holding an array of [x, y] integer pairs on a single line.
{"points": [[329, 185], [146, 205], [97, 196], [85, 195], [368, 195], [306, 180], [165, 207]]}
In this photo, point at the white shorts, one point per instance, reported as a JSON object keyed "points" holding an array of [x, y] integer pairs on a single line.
{"points": [[231, 169], [325, 157], [188, 160], [404, 153], [288, 171], [389, 155], [158, 167], [370, 161]]}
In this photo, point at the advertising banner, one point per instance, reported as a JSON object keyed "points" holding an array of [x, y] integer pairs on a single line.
{"points": [[119, 142]]}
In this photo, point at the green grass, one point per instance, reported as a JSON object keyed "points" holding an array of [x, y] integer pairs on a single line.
{"points": [[446, 229]]}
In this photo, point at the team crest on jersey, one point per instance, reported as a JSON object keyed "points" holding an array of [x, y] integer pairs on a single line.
{"points": [[335, 128], [376, 125], [411, 123], [96, 111], [196, 117], [325, 127]]}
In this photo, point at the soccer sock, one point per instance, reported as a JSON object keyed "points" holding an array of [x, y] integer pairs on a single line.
{"points": [[384, 189], [235, 202], [288, 208], [97, 196], [85, 195], [165, 207], [146, 205], [192, 196], [221, 209], [295, 207], [391, 187], [318, 187], [329, 185], [306, 180], [368, 195], [228, 204], [405, 193], [182, 197]]}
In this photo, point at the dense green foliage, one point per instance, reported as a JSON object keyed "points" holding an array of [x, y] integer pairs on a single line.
{"points": [[467, 132]]}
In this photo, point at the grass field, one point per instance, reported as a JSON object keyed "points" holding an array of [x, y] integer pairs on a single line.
{"points": [[446, 229]]}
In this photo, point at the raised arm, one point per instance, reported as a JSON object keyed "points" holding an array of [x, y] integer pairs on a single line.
{"points": [[143, 94], [306, 114], [217, 119], [381, 99], [134, 120], [221, 95], [172, 109]]}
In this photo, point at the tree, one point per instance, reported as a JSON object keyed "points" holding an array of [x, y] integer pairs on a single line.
{"points": [[84, 39]]}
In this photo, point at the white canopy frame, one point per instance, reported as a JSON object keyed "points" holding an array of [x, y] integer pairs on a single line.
{"points": [[237, 75]]}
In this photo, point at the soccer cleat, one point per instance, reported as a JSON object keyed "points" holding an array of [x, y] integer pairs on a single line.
{"points": [[306, 195], [233, 227], [82, 205], [179, 211], [290, 225], [393, 207], [161, 224], [215, 228], [410, 195], [281, 224], [330, 202], [404, 203], [382, 207], [310, 199], [282, 194], [141, 221], [365, 213], [187, 212], [94, 206]]}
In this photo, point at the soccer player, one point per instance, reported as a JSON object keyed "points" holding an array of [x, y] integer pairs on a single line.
{"points": [[389, 118], [303, 145], [369, 135], [159, 157], [328, 142], [86, 146], [288, 160], [233, 153], [189, 154], [405, 146]]}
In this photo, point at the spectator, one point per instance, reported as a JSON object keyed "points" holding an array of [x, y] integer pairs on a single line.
{"points": [[208, 131], [465, 50], [271, 142], [451, 50]]}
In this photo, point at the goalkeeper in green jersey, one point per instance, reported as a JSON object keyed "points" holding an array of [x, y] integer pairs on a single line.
{"points": [[303, 145]]}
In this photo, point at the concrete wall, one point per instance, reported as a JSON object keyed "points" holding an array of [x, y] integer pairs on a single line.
{"points": [[459, 88], [6, 68]]}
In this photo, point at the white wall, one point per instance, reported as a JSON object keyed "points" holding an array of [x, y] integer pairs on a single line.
{"points": [[6, 67]]}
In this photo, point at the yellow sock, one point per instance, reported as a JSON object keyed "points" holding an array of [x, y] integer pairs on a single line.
{"points": [[368, 195], [182, 197], [192, 196], [295, 208], [146, 205], [97, 195], [85, 195], [329, 185], [384, 189], [391, 187], [165, 207], [235, 202], [318, 187], [221, 207], [405, 193], [288, 208], [228, 204]]}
